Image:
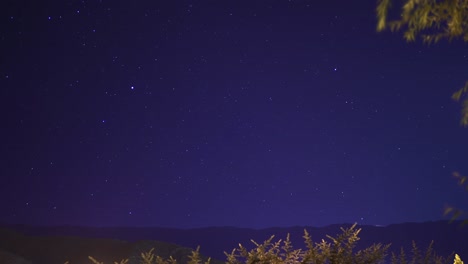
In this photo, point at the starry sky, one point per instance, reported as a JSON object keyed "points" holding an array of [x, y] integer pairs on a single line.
{"points": [[224, 113]]}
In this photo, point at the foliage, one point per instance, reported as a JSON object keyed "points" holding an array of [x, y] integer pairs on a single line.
{"points": [[338, 251], [433, 20], [123, 261], [195, 257], [429, 257], [150, 258], [455, 212], [457, 260], [457, 96]]}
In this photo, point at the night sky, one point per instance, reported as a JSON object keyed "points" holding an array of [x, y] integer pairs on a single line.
{"points": [[224, 113]]}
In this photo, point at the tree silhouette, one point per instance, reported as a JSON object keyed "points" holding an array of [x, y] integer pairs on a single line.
{"points": [[432, 21]]}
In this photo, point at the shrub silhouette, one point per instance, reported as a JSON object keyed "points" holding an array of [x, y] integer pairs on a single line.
{"points": [[429, 257], [150, 258], [457, 260], [339, 250]]}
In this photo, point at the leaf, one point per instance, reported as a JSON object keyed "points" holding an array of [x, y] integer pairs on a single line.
{"points": [[457, 260], [382, 10], [430, 19], [409, 36]]}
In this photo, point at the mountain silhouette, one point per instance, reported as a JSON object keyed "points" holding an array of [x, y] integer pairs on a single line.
{"points": [[213, 241]]}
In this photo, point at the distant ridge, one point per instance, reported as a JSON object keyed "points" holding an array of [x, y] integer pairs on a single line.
{"points": [[213, 241], [23, 249]]}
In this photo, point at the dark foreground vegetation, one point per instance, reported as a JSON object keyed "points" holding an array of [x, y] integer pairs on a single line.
{"points": [[340, 249]]}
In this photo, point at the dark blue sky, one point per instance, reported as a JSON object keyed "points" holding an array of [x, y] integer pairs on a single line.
{"points": [[214, 113]]}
